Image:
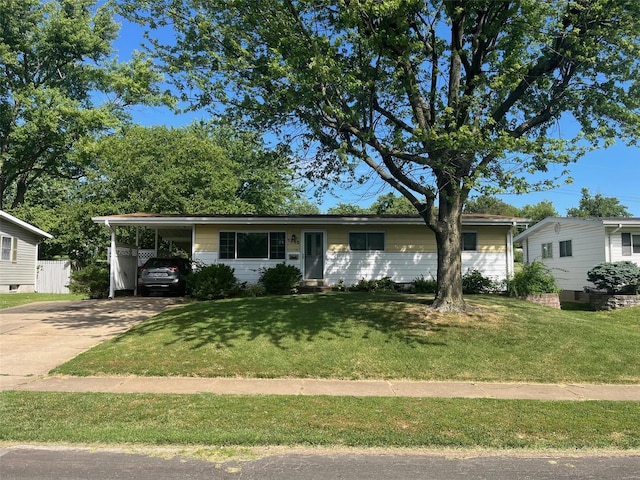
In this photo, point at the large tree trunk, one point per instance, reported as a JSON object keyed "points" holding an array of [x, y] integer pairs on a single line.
{"points": [[448, 230], [448, 239]]}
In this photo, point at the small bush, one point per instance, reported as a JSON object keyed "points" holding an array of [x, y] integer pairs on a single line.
{"points": [[282, 279], [534, 278], [363, 285], [424, 285], [473, 282], [92, 280], [616, 277], [212, 282]]}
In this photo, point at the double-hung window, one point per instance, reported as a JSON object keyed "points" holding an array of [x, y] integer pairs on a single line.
{"points": [[366, 241], [566, 248], [469, 241], [252, 245], [630, 244], [547, 250], [9, 249]]}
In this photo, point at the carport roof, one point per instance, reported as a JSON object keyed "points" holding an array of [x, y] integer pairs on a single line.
{"points": [[162, 220]]}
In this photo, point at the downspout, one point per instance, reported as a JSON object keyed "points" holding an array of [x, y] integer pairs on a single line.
{"points": [[510, 255], [35, 280], [135, 285], [112, 261]]}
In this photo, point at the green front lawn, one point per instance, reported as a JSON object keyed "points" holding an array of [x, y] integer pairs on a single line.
{"points": [[380, 335], [319, 421], [8, 300]]}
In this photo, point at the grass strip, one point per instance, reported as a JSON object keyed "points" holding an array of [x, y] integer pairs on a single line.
{"points": [[377, 335], [8, 300], [207, 419]]}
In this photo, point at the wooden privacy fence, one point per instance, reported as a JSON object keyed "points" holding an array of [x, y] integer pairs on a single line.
{"points": [[53, 276]]}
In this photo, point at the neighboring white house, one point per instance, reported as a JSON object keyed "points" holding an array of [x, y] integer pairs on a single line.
{"points": [[571, 246], [326, 248], [19, 256]]}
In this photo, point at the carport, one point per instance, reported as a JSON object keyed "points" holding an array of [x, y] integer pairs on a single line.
{"points": [[175, 231]]}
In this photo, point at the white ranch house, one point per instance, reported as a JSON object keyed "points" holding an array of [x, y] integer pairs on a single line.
{"points": [[326, 248], [570, 246]]}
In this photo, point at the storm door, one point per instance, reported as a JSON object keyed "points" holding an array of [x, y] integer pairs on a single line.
{"points": [[313, 255]]}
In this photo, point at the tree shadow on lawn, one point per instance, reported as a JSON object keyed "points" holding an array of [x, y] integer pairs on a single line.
{"points": [[303, 318]]}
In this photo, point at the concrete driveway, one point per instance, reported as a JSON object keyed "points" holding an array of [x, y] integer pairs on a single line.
{"points": [[37, 337]]}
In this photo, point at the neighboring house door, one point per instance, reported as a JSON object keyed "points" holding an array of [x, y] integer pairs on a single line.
{"points": [[313, 255]]}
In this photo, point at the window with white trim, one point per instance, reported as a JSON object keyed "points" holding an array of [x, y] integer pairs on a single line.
{"points": [[547, 250], [9, 249], [252, 245], [469, 241], [630, 244], [366, 241], [566, 249]]}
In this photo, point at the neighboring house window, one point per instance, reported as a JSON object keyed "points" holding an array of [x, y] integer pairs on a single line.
{"points": [[469, 241], [366, 241], [547, 250], [277, 245], [630, 244], [9, 249], [252, 245], [565, 248], [227, 245]]}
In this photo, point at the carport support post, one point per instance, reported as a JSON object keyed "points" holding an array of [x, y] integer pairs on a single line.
{"points": [[112, 262]]}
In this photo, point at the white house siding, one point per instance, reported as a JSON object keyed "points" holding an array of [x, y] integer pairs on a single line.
{"points": [[22, 273], [351, 267], [410, 252], [588, 249], [614, 245]]}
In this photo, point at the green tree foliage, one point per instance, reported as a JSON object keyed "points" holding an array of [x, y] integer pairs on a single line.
{"points": [[491, 206], [56, 65], [598, 206], [539, 211], [390, 204], [196, 169], [386, 204], [436, 97], [347, 209]]}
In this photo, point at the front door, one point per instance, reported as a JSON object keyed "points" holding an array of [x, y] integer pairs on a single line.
{"points": [[313, 255]]}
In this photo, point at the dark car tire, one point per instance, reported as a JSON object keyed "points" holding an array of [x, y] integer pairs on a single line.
{"points": [[143, 292]]}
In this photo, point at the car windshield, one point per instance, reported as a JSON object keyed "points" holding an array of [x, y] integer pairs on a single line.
{"points": [[163, 263]]}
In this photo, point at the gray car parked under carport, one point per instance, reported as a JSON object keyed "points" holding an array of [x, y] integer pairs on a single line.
{"points": [[164, 275]]}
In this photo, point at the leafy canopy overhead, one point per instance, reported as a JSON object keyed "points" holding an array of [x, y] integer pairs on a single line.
{"points": [[425, 92], [60, 88]]}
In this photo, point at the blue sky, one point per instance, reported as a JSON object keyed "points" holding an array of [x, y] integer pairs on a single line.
{"points": [[612, 172]]}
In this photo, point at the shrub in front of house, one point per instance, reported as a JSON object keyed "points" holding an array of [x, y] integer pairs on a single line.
{"points": [[281, 279], [213, 282], [92, 280], [533, 279], [384, 283], [473, 282], [616, 277], [425, 285]]}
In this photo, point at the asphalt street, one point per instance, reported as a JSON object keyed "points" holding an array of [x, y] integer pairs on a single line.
{"points": [[22, 463]]}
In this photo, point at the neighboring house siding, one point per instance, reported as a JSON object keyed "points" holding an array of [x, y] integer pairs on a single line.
{"points": [[409, 252], [588, 249], [614, 241], [22, 272]]}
